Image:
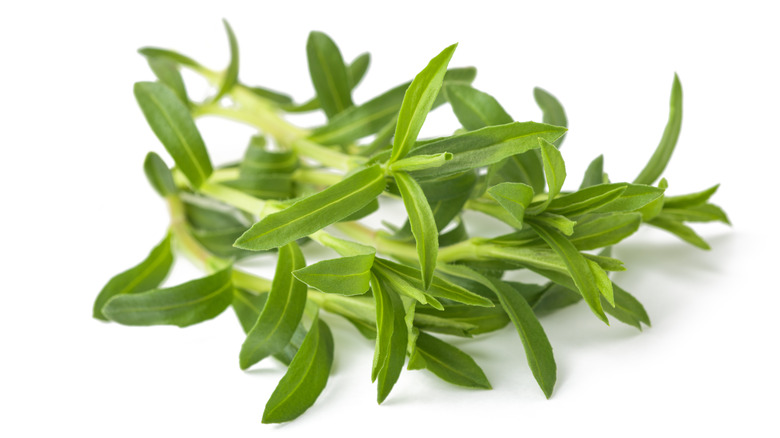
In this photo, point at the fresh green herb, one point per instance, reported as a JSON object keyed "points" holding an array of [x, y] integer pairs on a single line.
{"points": [[397, 288]]}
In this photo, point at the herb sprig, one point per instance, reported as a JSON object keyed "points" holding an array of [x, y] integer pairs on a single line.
{"points": [[399, 286]]}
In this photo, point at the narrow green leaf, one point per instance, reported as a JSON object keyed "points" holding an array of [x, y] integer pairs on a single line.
{"points": [[554, 172], [473, 108], [587, 199], [420, 162], [655, 167], [627, 309], [172, 123], [315, 212], [391, 340], [633, 198], [230, 77], [343, 276], [538, 350], [455, 235], [142, 277], [690, 200], [560, 223], [680, 230], [375, 115], [404, 285], [599, 231], [461, 319], [603, 283], [418, 100], [178, 58], [552, 111], [270, 95], [594, 174], [282, 312], [328, 74], [159, 175], [167, 72], [486, 146], [698, 213], [423, 224], [183, 305], [555, 297], [305, 378], [576, 265], [248, 308], [356, 70], [259, 160], [523, 168], [450, 363], [514, 197]]}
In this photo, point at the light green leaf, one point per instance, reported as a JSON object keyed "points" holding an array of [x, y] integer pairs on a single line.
{"points": [[418, 100], [391, 340], [560, 223], [356, 70], [183, 305], [627, 309], [594, 174], [514, 197], [698, 213], [282, 312], [554, 172], [473, 108], [167, 72], [159, 175], [587, 199], [633, 198], [328, 74], [343, 276], [690, 200], [450, 363], [423, 224], [599, 231], [603, 283], [407, 286], [655, 167], [305, 378], [576, 265], [420, 162], [178, 58], [538, 350], [680, 230], [461, 319], [315, 212], [172, 123], [142, 277], [552, 111], [230, 77]]}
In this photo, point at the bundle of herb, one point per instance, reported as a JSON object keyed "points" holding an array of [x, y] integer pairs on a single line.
{"points": [[400, 286]]}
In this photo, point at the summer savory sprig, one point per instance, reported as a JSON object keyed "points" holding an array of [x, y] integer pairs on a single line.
{"points": [[401, 286]]}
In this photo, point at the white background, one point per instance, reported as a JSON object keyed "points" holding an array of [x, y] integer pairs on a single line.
{"points": [[76, 209]]}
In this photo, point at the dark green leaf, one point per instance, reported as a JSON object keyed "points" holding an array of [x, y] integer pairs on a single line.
{"points": [[315, 212], [555, 297], [248, 307], [282, 312], [554, 173], [305, 378], [258, 160], [514, 197], [418, 100], [595, 232], [450, 363], [698, 213], [423, 224], [633, 198], [627, 309], [159, 175], [391, 340], [186, 304], [328, 74], [680, 230], [690, 200], [552, 111], [171, 121], [587, 199], [655, 167], [473, 108], [343, 276], [537, 347], [142, 277], [471, 320], [230, 77], [357, 69]]}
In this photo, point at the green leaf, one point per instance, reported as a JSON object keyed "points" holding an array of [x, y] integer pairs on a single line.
{"points": [[555, 297], [248, 308], [602, 282], [523, 168], [183, 305], [167, 72], [680, 230], [632, 199], [343, 276], [172, 123], [270, 95], [450, 363], [259, 160], [461, 319], [655, 167], [391, 340], [554, 172], [594, 174], [560, 223], [587, 199], [142, 277], [418, 100], [264, 186], [699, 213], [514, 197], [420, 162], [538, 350], [328, 74], [599, 231], [627, 309], [486, 146], [230, 77], [473, 108], [282, 312], [439, 288], [159, 175], [315, 212], [178, 58], [423, 224], [576, 265], [356, 70], [552, 111], [690, 200], [305, 378]]}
